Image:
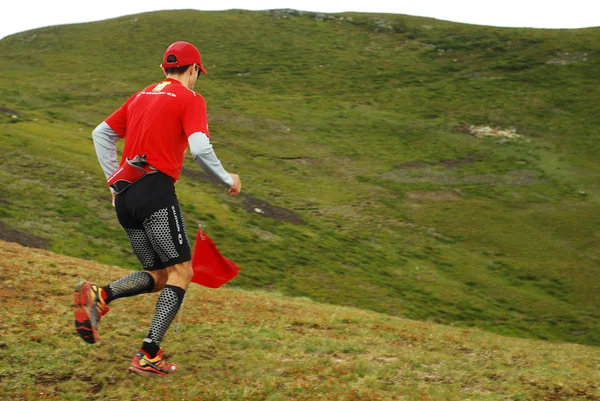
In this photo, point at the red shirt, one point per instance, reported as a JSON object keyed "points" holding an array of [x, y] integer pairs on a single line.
{"points": [[157, 121]]}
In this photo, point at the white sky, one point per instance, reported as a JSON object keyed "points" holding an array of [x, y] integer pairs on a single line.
{"points": [[19, 16]]}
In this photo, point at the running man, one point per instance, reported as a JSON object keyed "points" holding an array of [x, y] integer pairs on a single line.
{"points": [[157, 125]]}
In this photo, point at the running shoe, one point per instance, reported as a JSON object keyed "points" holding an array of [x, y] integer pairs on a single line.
{"points": [[143, 365], [90, 308]]}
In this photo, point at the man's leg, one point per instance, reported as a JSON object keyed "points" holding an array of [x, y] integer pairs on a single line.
{"points": [[149, 361], [92, 301], [154, 276], [135, 283], [153, 279], [165, 228], [167, 305]]}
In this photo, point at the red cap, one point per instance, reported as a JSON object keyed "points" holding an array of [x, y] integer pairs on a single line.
{"points": [[184, 54]]}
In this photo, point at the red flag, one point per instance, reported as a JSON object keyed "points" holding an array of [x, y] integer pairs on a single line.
{"points": [[211, 269]]}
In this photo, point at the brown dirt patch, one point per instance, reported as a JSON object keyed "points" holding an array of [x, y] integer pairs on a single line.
{"points": [[264, 208], [12, 235], [8, 111], [517, 178], [249, 203]]}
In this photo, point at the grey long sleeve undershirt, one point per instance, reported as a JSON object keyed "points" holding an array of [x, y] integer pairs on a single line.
{"points": [[105, 142], [206, 158]]}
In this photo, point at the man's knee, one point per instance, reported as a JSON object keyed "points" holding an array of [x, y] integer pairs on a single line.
{"points": [[186, 271], [160, 279], [180, 274]]}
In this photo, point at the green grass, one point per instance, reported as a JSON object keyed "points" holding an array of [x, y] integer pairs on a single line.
{"points": [[235, 344], [361, 134]]}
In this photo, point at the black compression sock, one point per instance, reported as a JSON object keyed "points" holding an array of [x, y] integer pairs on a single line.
{"points": [[133, 284], [168, 304]]}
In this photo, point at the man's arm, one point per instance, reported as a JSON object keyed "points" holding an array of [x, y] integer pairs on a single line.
{"points": [[105, 142], [206, 158]]}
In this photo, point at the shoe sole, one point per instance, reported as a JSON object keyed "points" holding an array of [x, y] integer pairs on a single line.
{"points": [[83, 323]]}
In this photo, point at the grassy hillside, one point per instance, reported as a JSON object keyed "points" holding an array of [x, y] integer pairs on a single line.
{"points": [[235, 344], [364, 182]]}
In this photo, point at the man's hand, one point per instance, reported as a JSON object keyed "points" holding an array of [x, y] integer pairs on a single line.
{"points": [[236, 188], [113, 198]]}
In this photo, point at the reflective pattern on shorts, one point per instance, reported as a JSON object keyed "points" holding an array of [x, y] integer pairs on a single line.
{"points": [[142, 248], [159, 234]]}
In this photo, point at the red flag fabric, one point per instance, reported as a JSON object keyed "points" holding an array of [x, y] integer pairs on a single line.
{"points": [[211, 269]]}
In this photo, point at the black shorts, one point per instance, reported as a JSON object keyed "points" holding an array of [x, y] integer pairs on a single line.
{"points": [[150, 214]]}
